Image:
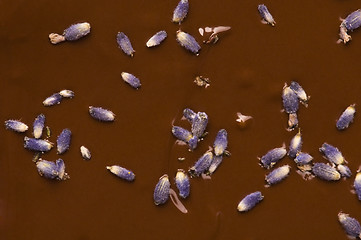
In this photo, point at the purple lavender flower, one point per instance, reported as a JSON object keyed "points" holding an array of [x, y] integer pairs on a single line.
{"points": [[188, 42], [278, 174], [122, 173], [266, 15], [63, 141], [249, 201], [181, 11], [185, 136], [290, 100], [182, 183], [52, 100], [189, 114], [357, 185], [131, 80], [38, 126], [72, 33], [301, 94], [202, 164], [67, 93], [16, 126], [332, 154], [124, 43], [199, 124], [221, 142], [38, 145], [325, 172], [52, 170], [352, 21], [350, 225], [101, 114], [303, 158], [156, 39], [273, 156], [217, 160], [295, 145], [346, 117], [344, 170], [85, 153], [161, 191]]}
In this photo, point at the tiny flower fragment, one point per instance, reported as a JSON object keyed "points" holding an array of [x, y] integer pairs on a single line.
{"points": [[131, 80], [357, 185], [121, 172], [72, 33], [124, 43], [16, 126], [101, 114], [85, 153]]}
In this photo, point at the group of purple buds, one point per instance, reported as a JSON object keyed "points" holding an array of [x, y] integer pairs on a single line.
{"points": [[198, 122], [291, 96], [47, 169], [206, 165]]}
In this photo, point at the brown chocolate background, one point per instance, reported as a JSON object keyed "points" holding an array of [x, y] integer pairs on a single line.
{"points": [[247, 67]]}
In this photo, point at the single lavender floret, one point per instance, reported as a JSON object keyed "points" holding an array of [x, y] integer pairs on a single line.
{"points": [[295, 145], [344, 170], [220, 143], [63, 141], [181, 11], [188, 42], [199, 124], [101, 114], [185, 136], [217, 160], [249, 201], [303, 158], [189, 114], [38, 145], [332, 154], [301, 94], [62, 175], [290, 100], [325, 172], [182, 183], [124, 43], [273, 156], [346, 117], [266, 15], [352, 21], [131, 80], [202, 164], [72, 33], [47, 169], [350, 225], [278, 174], [38, 126], [16, 126], [67, 93], [52, 100], [161, 191], [156, 39], [357, 185], [121, 172]]}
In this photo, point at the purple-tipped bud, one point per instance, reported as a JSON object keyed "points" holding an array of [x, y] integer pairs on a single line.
{"points": [[122, 173], [131, 80], [157, 39], [352, 21], [161, 191], [38, 126], [217, 160], [72, 33], [52, 100], [189, 114], [16, 126], [182, 183], [350, 225], [290, 100], [249, 201], [278, 174], [62, 175], [181, 11], [325, 172], [273, 156], [332, 154], [202, 164], [101, 114], [124, 43], [357, 185], [301, 94], [303, 158], [185, 136], [63, 141], [344, 170], [38, 145], [188, 42], [47, 169], [221, 142], [346, 118], [199, 124], [266, 15], [295, 145]]}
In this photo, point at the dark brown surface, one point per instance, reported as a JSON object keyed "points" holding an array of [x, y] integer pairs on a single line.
{"points": [[247, 67]]}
